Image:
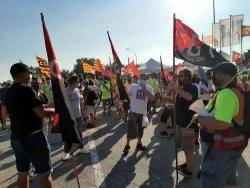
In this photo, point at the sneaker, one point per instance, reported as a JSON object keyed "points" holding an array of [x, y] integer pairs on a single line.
{"points": [[67, 156], [164, 134], [83, 150], [126, 149], [185, 172], [182, 166], [141, 147]]}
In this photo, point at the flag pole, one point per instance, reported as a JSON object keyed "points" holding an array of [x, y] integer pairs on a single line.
{"points": [[213, 24], [230, 38], [220, 36], [241, 51], [174, 78]]}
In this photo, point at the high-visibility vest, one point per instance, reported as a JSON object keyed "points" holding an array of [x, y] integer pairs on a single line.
{"points": [[232, 138]]}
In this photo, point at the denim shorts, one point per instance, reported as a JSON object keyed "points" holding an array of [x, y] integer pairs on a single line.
{"points": [[219, 167], [34, 149]]}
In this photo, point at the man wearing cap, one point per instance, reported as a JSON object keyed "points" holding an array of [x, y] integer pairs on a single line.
{"points": [[27, 137], [226, 144]]}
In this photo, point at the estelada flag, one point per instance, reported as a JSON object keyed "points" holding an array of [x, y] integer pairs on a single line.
{"points": [[132, 69], [64, 121], [188, 47], [43, 65], [163, 74], [98, 66], [87, 68], [117, 70], [236, 57], [116, 59], [245, 30]]}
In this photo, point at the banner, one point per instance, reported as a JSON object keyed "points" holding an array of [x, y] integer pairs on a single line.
{"points": [[207, 39], [225, 32], [236, 28], [236, 57], [216, 34], [87, 68], [245, 30], [188, 47], [64, 121], [43, 65]]}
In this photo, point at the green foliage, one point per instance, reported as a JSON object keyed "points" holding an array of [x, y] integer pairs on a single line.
{"points": [[247, 55]]}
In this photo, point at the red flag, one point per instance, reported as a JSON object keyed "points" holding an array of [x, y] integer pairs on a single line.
{"points": [[187, 46], [132, 69], [177, 69], [65, 122], [116, 59], [122, 91], [236, 57], [166, 73], [162, 74]]}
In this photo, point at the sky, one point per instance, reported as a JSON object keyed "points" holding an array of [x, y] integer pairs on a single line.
{"points": [[78, 28]]}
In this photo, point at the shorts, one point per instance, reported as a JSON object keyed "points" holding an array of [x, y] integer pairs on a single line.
{"points": [[135, 129], [219, 167], [90, 109], [185, 139], [34, 149], [106, 102]]}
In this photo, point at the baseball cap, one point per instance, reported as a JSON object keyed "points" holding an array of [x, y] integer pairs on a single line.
{"points": [[226, 68], [19, 68]]}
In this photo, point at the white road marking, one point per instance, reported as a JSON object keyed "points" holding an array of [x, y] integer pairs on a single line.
{"points": [[99, 178]]}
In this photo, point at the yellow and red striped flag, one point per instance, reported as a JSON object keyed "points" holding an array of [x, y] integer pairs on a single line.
{"points": [[43, 65], [98, 66], [87, 68]]}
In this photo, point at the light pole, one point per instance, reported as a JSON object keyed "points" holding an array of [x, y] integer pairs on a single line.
{"points": [[134, 54]]}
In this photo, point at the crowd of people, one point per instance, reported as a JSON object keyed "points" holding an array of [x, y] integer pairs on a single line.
{"points": [[29, 105]]}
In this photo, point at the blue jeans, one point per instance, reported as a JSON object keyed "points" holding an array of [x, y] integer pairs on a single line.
{"points": [[219, 167], [34, 149]]}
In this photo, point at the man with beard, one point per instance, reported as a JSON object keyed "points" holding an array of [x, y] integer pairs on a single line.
{"points": [[187, 93], [227, 144]]}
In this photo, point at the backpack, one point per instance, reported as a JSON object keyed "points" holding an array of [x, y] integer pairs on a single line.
{"points": [[245, 127]]}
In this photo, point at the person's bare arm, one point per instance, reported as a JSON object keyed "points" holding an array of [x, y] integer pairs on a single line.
{"points": [[212, 124], [44, 112]]}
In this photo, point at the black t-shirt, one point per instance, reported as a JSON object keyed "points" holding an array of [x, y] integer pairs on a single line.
{"points": [[20, 101], [89, 96], [183, 114]]}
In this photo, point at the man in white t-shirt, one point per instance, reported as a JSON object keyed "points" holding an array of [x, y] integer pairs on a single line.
{"points": [[75, 99], [139, 93]]}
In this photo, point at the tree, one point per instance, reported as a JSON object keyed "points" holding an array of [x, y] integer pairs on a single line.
{"points": [[247, 55], [35, 71], [78, 66], [66, 74]]}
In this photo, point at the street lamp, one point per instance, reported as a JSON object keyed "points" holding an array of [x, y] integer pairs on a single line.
{"points": [[134, 54]]}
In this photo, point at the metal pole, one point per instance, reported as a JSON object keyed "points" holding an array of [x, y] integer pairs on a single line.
{"points": [[241, 51], [174, 78], [133, 53], [230, 38], [213, 24]]}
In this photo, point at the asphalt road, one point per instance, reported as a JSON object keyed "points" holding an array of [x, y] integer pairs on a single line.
{"points": [[106, 167]]}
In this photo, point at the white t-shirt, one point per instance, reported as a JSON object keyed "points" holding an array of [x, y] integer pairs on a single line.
{"points": [[139, 100], [74, 96]]}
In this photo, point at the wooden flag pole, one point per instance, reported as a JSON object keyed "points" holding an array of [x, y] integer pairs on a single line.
{"points": [[174, 78], [76, 175]]}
